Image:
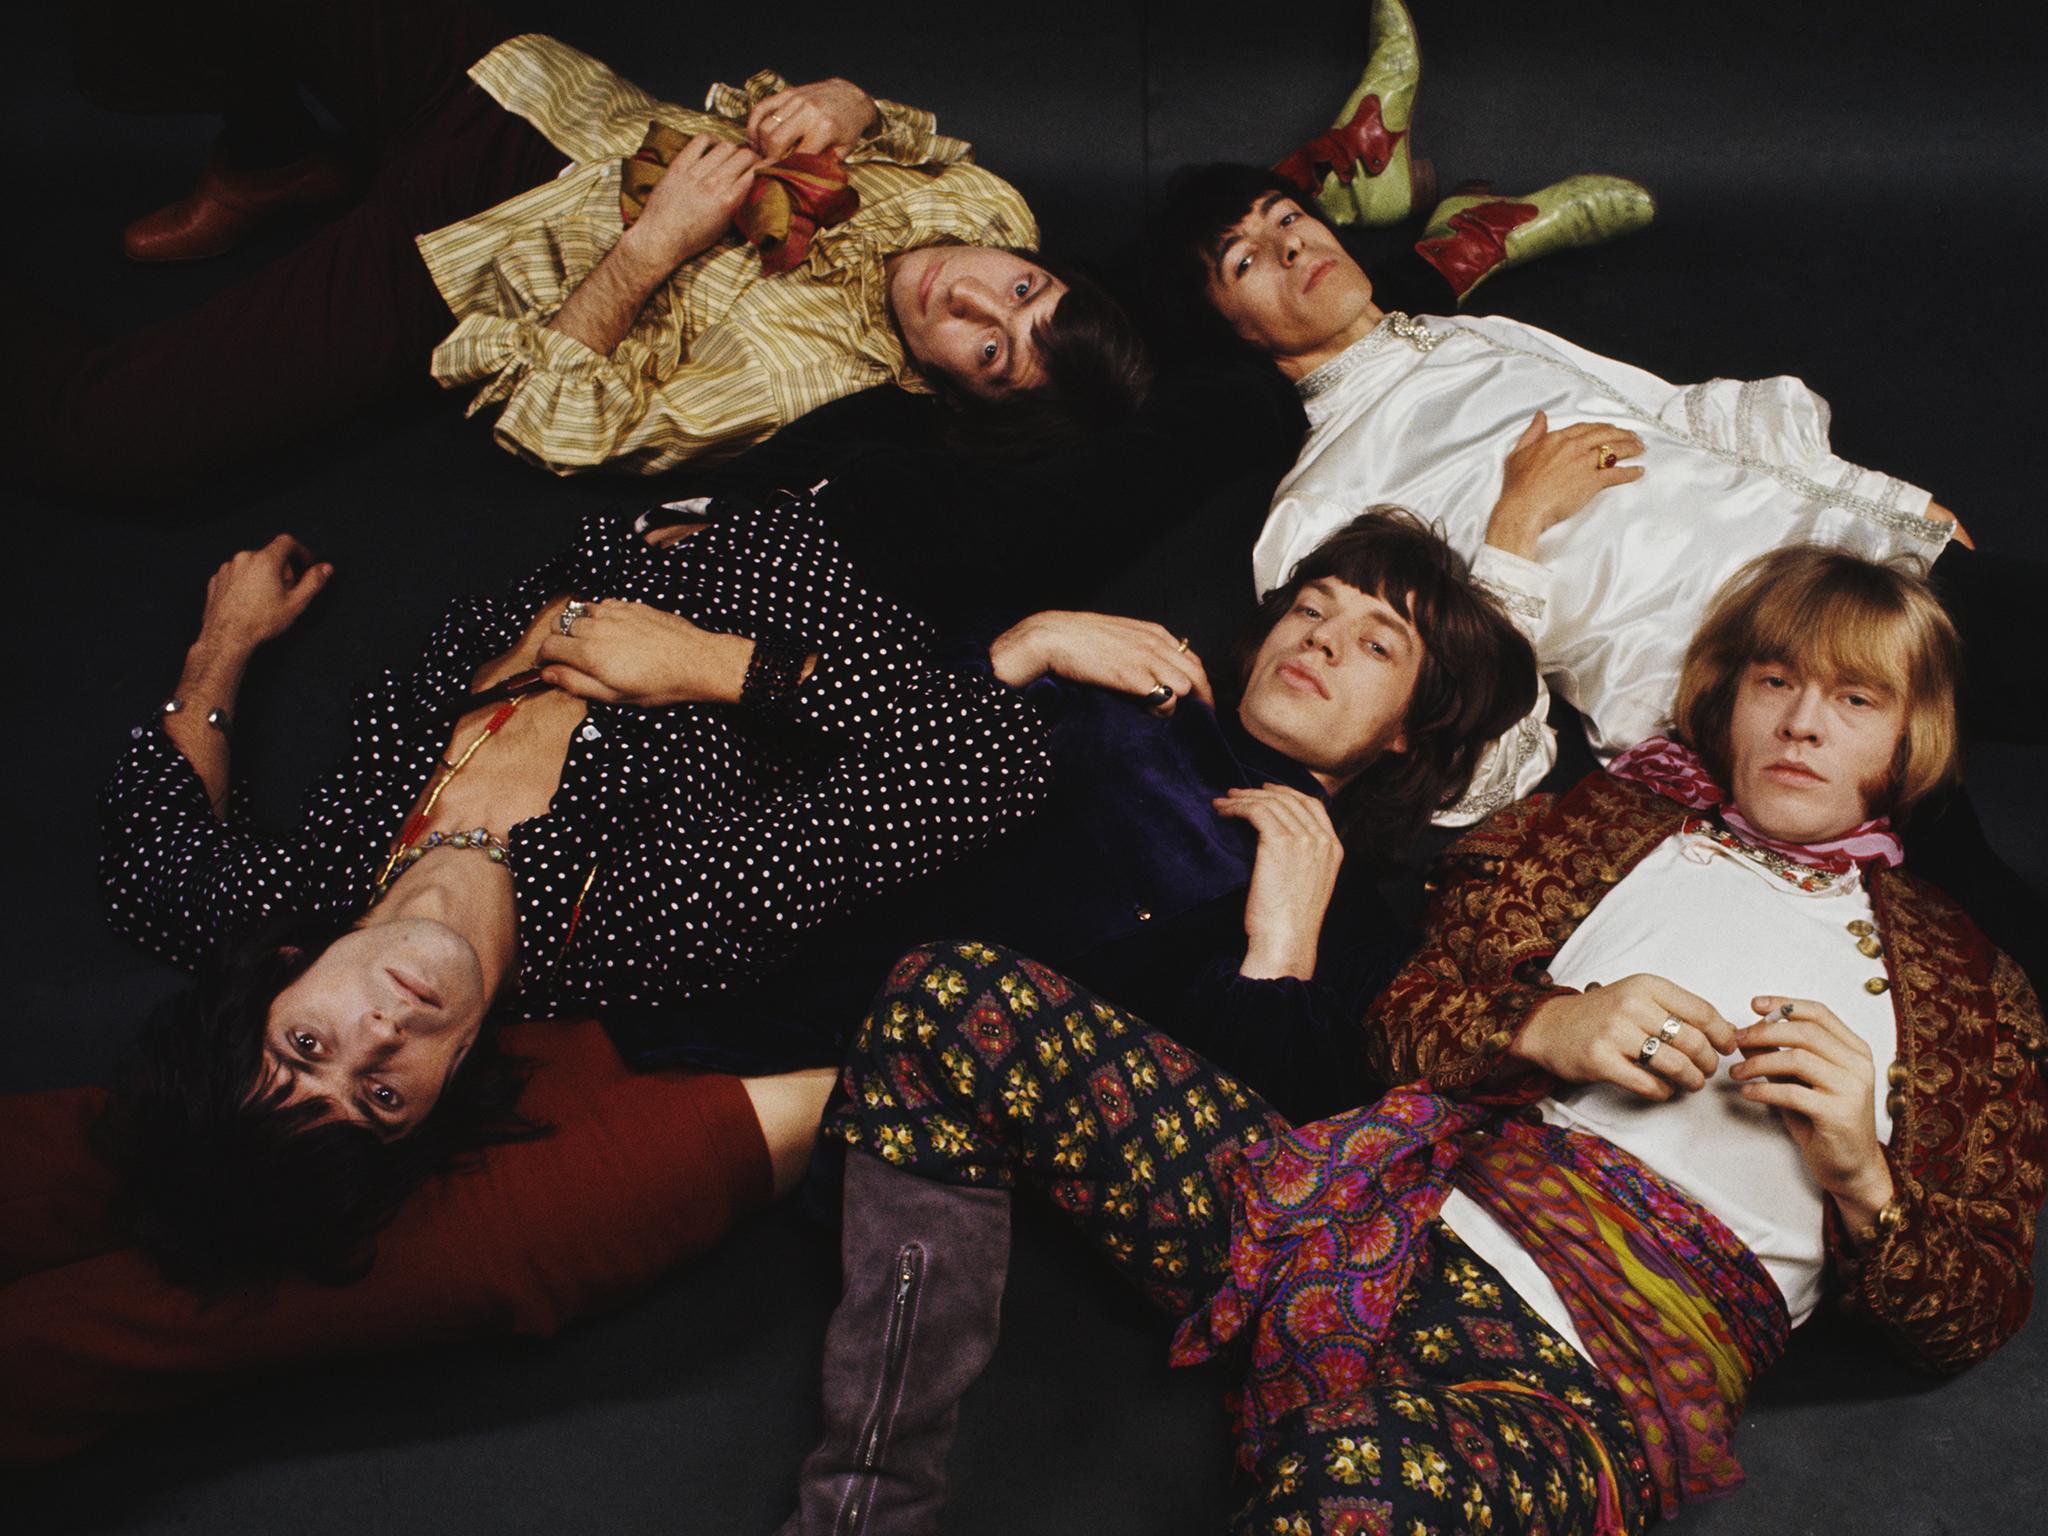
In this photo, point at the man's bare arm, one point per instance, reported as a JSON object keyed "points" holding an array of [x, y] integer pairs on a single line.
{"points": [[690, 208]]}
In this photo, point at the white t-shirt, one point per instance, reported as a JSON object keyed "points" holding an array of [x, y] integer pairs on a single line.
{"points": [[1724, 927]]}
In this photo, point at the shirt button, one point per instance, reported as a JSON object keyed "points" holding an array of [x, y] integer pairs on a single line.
{"points": [[1877, 986], [1895, 1103], [1862, 927], [1896, 1074], [1869, 946], [135, 733], [589, 732], [1143, 914], [1530, 1114]]}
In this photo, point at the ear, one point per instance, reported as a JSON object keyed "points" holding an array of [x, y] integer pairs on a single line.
{"points": [[1399, 743]]}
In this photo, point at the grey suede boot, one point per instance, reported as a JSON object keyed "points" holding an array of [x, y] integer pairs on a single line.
{"points": [[924, 1269]]}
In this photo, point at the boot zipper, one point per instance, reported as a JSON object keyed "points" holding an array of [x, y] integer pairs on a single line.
{"points": [[874, 1437]]}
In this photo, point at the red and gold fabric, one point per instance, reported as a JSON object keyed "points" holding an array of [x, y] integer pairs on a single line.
{"points": [[1953, 1279]]}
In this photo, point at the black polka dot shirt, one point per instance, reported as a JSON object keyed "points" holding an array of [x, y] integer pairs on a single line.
{"points": [[700, 839]]}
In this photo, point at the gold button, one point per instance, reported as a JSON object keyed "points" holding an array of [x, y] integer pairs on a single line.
{"points": [[1530, 1114], [1895, 1104], [1591, 986], [1896, 1074], [1429, 886], [1877, 986], [1144, 914], [1497, 1042], [1862, 927], [1869, 946]]}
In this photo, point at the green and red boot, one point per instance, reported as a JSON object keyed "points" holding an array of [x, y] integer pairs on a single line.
{"points": [[1473, 235], [1362, 171]]}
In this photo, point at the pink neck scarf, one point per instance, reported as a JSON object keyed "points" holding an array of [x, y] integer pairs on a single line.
{"points": [[1675, 771]]}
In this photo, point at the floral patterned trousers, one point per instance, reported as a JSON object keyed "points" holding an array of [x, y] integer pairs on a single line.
{"points": [[977, 1066]]}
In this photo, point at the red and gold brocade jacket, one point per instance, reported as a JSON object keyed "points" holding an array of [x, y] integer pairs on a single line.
{"points": [[1953, 1280]]}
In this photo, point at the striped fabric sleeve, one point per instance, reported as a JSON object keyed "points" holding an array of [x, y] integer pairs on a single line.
{"points": [[905, 136]]}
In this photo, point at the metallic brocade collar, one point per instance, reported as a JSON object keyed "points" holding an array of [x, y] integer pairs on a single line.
{"points": [[1393, 326]]}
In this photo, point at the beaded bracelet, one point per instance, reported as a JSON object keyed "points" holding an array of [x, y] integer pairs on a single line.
{"points": [[773, 669]]}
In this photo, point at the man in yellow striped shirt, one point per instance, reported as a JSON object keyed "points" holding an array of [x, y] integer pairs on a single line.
{"points": [[497, 207]]}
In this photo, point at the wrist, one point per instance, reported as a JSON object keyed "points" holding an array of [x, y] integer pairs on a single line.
{"points": [[1017, 655], [1276, 957], [213, 670], [1514, 530], [1864, 1204], [643, 259]]}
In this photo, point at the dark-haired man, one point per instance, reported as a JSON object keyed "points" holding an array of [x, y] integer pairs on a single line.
{"points": [[552, 235]]}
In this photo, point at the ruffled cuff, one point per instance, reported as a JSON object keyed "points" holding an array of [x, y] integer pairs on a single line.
{"points": [[565, 406], [905, 135]]}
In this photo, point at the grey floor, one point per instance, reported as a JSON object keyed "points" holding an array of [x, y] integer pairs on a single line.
{"points": [[1850, 193]]}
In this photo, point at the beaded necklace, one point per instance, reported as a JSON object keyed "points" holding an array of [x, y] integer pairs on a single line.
{"points": [[411, 847]]}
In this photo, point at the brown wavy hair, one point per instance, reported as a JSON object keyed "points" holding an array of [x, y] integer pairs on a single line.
{"points": [[1844, 618], [1477, 678]]}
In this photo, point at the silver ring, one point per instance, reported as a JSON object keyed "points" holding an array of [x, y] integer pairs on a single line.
{"points": [[1668, 1030], [1162, 693], [571, 612], [1651, 1045]]}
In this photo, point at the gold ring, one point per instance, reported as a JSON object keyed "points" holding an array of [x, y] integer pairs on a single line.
{"points": [[1182, 648], [1605, 458]]}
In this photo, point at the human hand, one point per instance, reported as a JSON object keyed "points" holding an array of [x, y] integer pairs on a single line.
{"points": [[258, 595], [1937, 513], [826, 114], [1597, 1037], [1293, 876], [1818, 1074], [693, 203], [1550, 475], [621, 652], [1109, 651]]}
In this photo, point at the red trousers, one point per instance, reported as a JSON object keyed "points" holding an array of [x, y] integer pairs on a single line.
{"points": [[643, 1171]]}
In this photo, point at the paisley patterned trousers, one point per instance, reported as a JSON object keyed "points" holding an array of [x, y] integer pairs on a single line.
{"points": [[977, 1066]]}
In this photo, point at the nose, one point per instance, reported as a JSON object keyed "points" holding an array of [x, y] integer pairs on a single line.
{"points": [[1290, 245], [1802, 719], [382, 1026], [1317, 638], [975, 300]]}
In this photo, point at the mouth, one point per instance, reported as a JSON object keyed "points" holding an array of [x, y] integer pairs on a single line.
{"points": [[1317, 272], [1789, 772], [417, 991], [1301, 680], [924, 288]]}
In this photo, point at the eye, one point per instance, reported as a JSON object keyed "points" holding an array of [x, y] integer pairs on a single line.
{"points": [[1242, 266], [306, 1044], [1857, 700], [989, 350], [1023, 288], [1773, 680], [1308, 610], [1379, 650], [1288, 218], [384, 1096]]}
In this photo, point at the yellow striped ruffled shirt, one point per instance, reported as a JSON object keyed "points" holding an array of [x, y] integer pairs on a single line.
{"points": [[722, 355]]}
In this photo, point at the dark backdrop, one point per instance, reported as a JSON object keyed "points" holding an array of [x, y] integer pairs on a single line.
{"points": [[1853, 193]]}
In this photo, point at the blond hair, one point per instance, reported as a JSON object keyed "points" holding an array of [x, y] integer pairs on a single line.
{"points": [[1842, 618]]}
